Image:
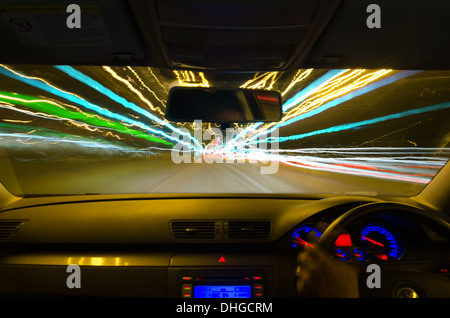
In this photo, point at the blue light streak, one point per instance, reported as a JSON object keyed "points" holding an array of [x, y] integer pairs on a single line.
{"points": [[364, 122], [116, 98], [304, 93], [361, 91], [75, 99]]}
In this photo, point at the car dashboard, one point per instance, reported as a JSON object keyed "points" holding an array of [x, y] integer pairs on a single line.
{"points": [[207, 247], [413, 256]]}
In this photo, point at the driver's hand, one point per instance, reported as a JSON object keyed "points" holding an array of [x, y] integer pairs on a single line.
{"points": [[318, 275]]}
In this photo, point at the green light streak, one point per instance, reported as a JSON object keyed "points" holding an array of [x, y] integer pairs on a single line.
{"points": [[55, 109]]}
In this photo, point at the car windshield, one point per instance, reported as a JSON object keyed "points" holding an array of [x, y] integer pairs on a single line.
{"points": [[75, 130]]}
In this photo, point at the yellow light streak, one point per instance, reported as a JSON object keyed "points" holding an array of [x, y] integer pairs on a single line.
{"points": [[338, 86], [262, 81], [110, 71], [189, 79], [300, 76], [146, 87]]}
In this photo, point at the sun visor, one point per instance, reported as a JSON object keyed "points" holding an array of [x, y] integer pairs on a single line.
{"points": [[36, 33]]}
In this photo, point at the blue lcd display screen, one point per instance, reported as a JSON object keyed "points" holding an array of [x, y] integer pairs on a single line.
{"points": [[223, 291]]}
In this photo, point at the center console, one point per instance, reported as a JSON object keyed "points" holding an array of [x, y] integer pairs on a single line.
{"points": [[219, 283]]}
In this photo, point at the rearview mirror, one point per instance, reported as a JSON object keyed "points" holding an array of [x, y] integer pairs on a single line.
{"points": [[186, 104]]}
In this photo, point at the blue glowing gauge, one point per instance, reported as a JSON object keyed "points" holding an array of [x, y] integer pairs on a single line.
{"points": [[343, 254], [360, 254], [378, 241], [302, 236]]}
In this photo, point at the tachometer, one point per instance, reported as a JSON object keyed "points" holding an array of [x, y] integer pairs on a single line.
{"points": [[380, 242], [302, 236]]}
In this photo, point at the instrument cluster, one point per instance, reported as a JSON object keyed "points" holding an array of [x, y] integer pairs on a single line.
{"points": [[372, 241]]}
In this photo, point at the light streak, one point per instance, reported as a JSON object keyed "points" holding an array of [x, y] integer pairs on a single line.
{"points": [[347, 126], [188, 79], [56, 111], [61, 138], [299, 77], [119, 99], [317, 95], [405, 164], [263, 81], [298, 98], [303, 114], [311, 88], [157, 80], [330, 94], [158, 98], [42, 84], [17, 121], [351, 91], [111, 72]]}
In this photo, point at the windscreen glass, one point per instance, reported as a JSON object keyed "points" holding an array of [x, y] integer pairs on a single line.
{"points": [[67, 130]]}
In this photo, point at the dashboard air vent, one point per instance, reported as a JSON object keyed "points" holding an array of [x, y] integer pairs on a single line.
{"points": [[9, 227], [249, 229], [194, 229]]}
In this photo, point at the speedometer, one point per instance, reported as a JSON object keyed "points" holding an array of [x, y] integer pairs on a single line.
{"points": [[302, 236], [380, 242]]}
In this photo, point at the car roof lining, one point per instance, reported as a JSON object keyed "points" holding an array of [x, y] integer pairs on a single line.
{"points": [[333, 34]]}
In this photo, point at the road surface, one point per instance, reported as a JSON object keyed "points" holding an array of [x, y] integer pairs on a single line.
{"points": [[164, 176]]}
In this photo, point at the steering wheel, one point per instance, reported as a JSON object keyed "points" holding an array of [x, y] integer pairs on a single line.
{"points": [[372, 209], [395, 285]]}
